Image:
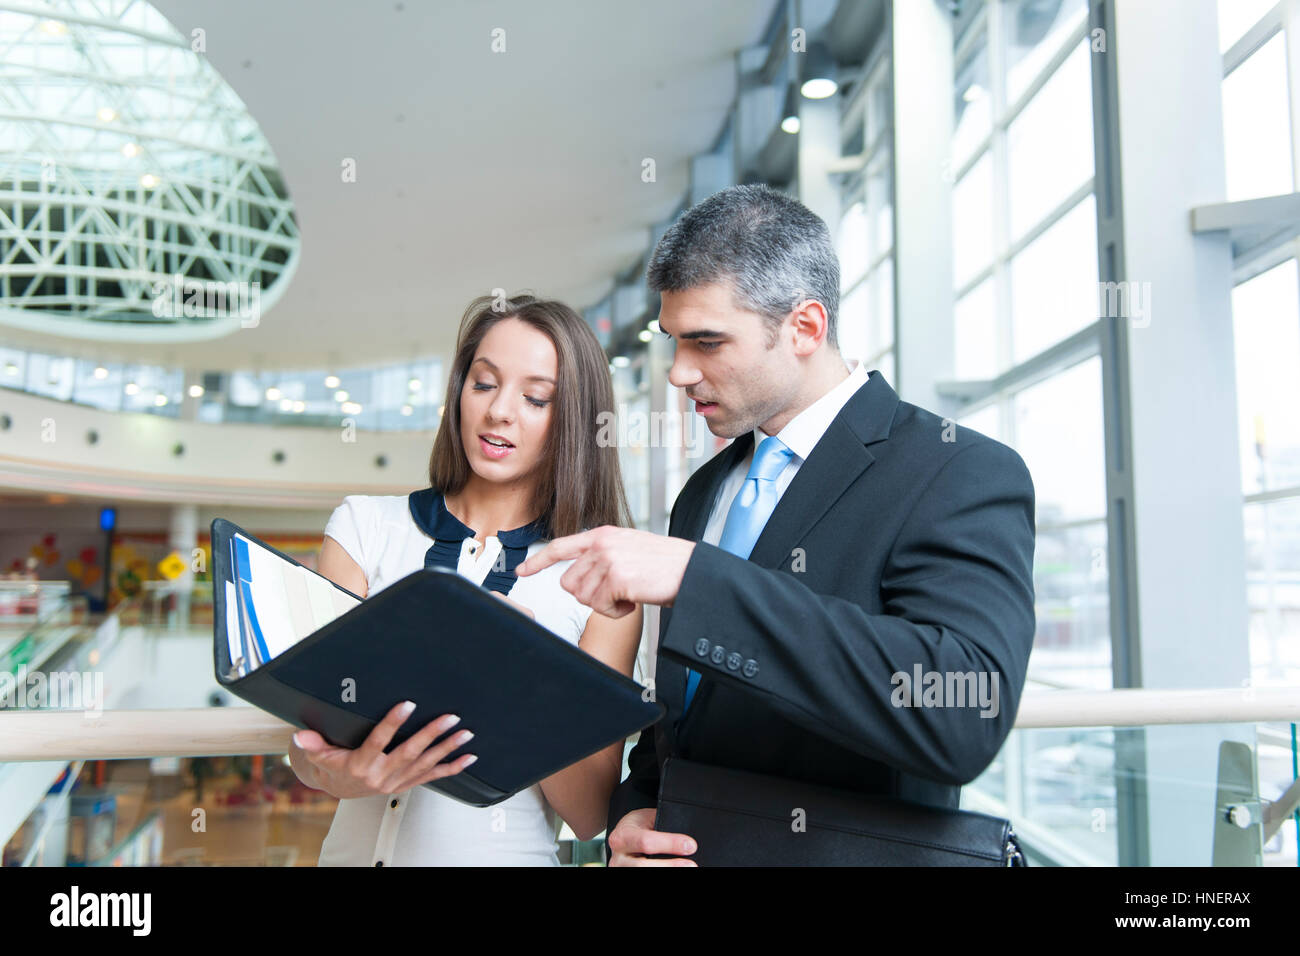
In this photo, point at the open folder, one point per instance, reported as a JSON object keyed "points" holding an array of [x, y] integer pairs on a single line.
{"points": [[293, 643]]}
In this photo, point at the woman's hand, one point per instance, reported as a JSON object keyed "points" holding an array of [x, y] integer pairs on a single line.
{"points": [[516, 604], [367, 770]]}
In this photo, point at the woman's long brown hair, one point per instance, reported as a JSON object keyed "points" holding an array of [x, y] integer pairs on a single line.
{"points": [[579, 485]]}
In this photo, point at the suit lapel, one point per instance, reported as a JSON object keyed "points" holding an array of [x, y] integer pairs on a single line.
{"points": [[835, 462], [690, 523]]}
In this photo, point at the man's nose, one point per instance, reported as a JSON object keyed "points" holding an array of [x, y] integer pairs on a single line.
{"points": [[681, 374]]}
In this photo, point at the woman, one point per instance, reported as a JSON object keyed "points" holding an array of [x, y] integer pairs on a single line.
{"points": [[516, 458]]}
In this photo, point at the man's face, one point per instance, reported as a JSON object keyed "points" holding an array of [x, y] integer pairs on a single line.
{"points": [[723, 359]]}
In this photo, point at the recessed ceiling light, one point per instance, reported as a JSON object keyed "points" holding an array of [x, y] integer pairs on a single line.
{"points": [[341, 395], [645, 335], [131, 150], [131, 388], [106, 114], [148, 180], [299, 407], [331, 381], [100, 372], [407, 409], [196, 391], [818, 88], [272, 394], [160, 400], [790, 124], [622, 361], [413, 384], [286, 404], [54, 28]]}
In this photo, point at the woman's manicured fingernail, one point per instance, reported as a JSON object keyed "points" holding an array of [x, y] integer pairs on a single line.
{"points": [[469, 760], [464, 737], [407, 707], [450, 721]]}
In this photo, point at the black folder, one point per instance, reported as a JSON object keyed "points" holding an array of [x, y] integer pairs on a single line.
{"points": [[535, 702]]}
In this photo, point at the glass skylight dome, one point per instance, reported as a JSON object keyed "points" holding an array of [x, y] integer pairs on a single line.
{"points": [[138, 198]]}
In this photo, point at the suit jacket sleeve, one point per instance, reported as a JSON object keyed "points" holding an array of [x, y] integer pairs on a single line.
{"points": [[957, 592]]}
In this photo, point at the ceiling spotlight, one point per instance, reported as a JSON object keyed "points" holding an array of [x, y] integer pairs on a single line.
{"points": [[286, 404], [11, 368], [148, 180], [54, 28], [131, 388], [299, 407], [645, 335], [341, 395], [407, 409], [413, 384], [100, 372], [106, 114], [653, 326], [196, 391], [331, 381], [621, 361], [790, 125], [351, 408], [272, 394], [160, 400], [818, 73], [131, 150]]}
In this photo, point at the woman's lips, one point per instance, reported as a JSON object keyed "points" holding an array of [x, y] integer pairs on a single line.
{"points": [[494, 451]]}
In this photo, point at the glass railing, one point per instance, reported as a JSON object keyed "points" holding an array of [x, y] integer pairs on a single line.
{"points": [[1088, 778]]}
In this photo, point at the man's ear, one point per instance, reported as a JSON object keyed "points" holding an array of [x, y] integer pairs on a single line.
{"points": [[810, 324]]}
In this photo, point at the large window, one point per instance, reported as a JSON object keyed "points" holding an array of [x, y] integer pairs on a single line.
{"points": [[1260, 159], [1025, 271], [865, 243]]}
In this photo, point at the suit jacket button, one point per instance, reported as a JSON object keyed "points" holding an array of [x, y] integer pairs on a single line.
{"points": [[719, 652], [733, 661], [702, 647], [750, 668]]}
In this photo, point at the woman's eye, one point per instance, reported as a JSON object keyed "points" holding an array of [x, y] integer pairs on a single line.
{"points": [[481, 386], [537, 402]]}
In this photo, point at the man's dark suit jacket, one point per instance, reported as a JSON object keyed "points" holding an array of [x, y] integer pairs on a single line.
{"points": [[902, 539]]}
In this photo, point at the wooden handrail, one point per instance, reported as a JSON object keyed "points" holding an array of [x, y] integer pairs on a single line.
{"points": [[222, 731]]}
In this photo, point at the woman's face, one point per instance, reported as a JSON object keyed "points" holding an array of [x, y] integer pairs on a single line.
{"points": [[507, 400]]}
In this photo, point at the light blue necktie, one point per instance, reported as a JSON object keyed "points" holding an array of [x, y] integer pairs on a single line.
{"points": [[749, 512]]}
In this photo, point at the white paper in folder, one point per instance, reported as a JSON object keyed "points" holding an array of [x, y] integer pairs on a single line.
{"points": [[288, 601]]}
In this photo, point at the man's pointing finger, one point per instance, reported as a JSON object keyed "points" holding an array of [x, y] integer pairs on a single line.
{"points": [[561, 549]]}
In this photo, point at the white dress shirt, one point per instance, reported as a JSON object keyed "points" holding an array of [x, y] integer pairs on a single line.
{"points": [[419, 826], [801, 434]]}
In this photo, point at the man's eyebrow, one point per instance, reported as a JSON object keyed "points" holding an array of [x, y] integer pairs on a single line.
{"points": [[702, 334], [531, 378]]}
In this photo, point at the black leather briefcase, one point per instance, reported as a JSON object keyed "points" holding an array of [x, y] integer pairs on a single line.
{"points": [[739, 818]]}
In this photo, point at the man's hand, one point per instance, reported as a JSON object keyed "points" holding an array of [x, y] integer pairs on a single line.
{"points": [[635, 837], [615, 569]]}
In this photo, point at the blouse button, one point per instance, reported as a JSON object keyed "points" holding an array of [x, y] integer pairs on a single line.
{"points": [[393, 804], [379, 862]]}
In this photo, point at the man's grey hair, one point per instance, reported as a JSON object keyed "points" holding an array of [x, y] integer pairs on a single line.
{"points": [[772, 250]]}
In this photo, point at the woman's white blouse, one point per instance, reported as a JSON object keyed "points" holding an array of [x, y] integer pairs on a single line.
{"points": [[419, 827]]}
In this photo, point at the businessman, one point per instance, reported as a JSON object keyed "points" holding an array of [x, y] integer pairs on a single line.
{"points": [[844, 548]]}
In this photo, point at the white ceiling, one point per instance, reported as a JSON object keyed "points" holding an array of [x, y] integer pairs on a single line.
{"points": [[475, 170]]}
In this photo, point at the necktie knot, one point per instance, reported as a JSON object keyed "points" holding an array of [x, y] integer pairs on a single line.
{"points": [[770, 459]]}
